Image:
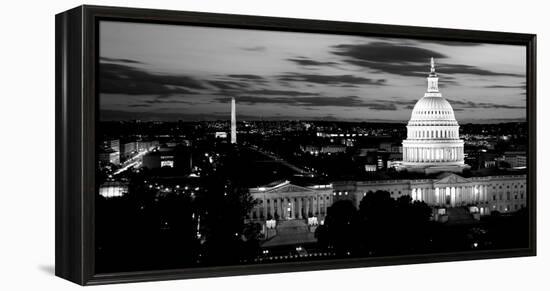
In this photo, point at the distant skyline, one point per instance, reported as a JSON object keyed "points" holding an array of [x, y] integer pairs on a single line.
{"points": [[170, 72]]}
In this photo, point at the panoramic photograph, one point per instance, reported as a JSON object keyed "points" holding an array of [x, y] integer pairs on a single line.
{"points": [[225, 146]]}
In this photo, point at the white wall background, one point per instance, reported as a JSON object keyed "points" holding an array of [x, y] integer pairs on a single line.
{"points": [[27, 144]]}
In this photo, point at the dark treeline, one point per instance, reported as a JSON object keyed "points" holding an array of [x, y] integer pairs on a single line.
{"points": [[386, 226], [381, 226]]}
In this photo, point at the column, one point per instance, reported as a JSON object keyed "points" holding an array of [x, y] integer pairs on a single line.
{"points": [[292, 208], [424, 155], [306, 207], [265, 208], [281, 208], [272, 209], [300, 208], [454, 154], [314, 205]]}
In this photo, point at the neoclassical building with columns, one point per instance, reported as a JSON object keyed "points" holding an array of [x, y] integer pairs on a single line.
{"points": [[432, 147], [505, 193], [284, 201], [433, 144]]}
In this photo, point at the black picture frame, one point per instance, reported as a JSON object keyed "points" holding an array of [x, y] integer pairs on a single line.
{"points": [[76, 112]]}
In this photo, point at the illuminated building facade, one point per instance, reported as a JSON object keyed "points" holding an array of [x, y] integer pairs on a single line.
{"points": [[113, 189], [432, 147], [433, 144], [486, 194], [285, 201]]}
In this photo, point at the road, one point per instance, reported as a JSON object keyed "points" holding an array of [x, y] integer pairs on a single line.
{"points": [[132, 162], [281, 161]]}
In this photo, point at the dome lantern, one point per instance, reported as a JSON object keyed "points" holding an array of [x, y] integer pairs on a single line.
{"points": [[433, 79]]}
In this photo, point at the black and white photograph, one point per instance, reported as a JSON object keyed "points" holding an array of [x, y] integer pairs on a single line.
{"points": [[228, 146]]}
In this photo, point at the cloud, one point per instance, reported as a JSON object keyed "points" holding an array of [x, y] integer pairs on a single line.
{"points": [[247, 77], [309, 103], [405, 60], [139, 105], [122, 79], [386, 52], [452, 43], [280, 92], [399, 101], [461, 105], [162, 101], [506, 87], [154, 115], [303, 61], [255, 49], [403, 69], [228, 85], [471, 70], [236, 81], [114, 60], [342, 80]]}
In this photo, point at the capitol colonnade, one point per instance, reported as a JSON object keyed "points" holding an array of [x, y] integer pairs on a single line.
{"points": [[430, 154], [451, 195]]}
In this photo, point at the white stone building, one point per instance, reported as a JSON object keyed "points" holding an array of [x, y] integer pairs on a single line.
{"points": [[432, 146], [433, 143]]}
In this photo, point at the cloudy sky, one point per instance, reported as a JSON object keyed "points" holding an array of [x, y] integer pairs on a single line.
{"points": [[165, 72]]}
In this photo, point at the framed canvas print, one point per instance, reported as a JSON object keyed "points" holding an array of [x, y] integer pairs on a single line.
{"points": [[197, 145]]}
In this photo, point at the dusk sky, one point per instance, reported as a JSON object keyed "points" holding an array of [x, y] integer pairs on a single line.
{"points": [[169, 72]]}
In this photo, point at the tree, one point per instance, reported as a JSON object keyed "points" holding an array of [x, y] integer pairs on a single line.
{"points": [[390, 226], [339, 231], [224, 206]]}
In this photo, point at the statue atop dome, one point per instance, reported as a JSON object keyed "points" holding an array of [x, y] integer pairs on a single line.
{"points": [[433, 79]]}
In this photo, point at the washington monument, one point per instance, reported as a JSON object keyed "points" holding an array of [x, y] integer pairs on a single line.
{"points": [[233, 122]]}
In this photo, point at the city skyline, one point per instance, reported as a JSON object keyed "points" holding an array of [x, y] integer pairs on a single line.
{"points": [[191, 73]]}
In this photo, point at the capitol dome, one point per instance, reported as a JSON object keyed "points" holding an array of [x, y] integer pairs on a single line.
{"points": [[432, 108], [433, 143]]}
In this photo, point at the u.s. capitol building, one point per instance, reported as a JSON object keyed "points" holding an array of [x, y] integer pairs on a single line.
{"points": [[432, 147]]}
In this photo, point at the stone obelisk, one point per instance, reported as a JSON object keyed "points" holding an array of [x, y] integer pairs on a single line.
{"points": [[233, 122]]}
